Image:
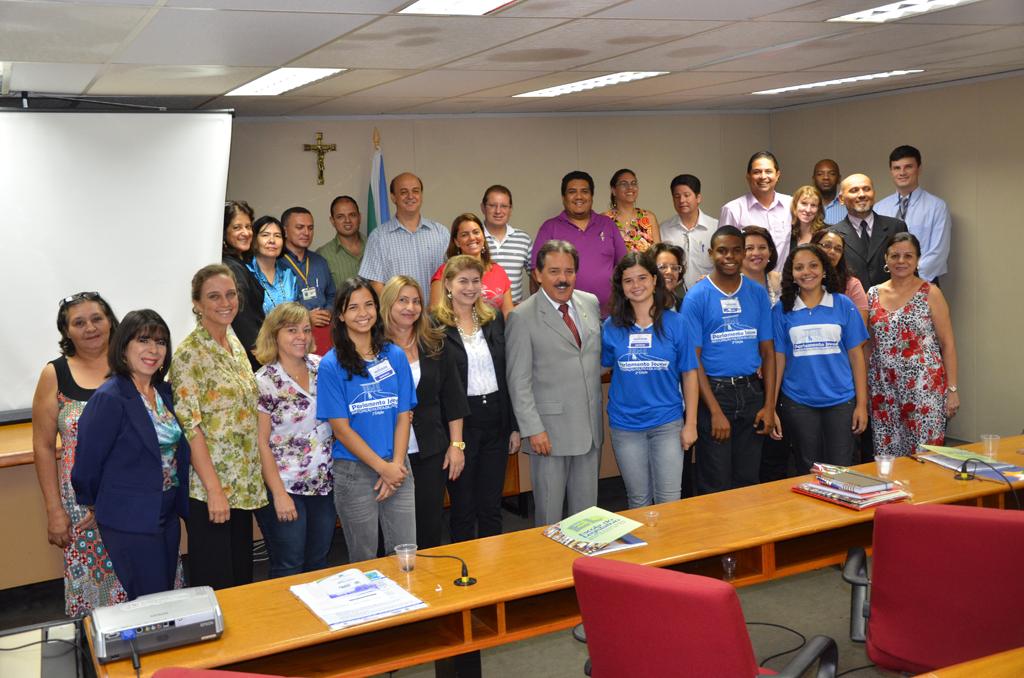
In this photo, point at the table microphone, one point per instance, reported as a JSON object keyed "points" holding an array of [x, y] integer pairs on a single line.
{"points": [[465, 579]]}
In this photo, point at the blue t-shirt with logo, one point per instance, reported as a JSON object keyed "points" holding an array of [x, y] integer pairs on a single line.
{"points": [[816, 342], [727, 328], [371, 403], [646, 367]]}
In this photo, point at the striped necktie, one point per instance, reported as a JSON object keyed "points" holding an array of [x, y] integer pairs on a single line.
{"points": [[904, 203]]}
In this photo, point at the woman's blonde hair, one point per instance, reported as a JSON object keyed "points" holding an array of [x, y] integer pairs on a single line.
{"points": [[819, 218], [425, 334], [444, 312], [290, 313]]}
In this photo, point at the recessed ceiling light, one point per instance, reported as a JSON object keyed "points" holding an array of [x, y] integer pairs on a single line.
{"points": [[592, 83], [839, 81], [900, 10], [456, 7], [282, 80]]}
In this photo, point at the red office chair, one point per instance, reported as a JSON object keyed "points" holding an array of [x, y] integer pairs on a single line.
{"points": [[945, 586], [645, 621]]}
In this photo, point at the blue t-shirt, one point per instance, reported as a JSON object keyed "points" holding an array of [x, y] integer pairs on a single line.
{"points": [[728, 328], [371, 404], [816, 342], [646, 367]]}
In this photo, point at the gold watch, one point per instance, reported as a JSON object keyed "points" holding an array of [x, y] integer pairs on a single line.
{"points": [[459, 444]]}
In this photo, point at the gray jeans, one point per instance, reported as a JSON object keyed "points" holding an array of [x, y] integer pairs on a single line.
{"points": [[357, 505]]}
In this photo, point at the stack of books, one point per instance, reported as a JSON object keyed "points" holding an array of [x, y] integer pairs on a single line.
{"points": [[595, 531], [851, 489]]}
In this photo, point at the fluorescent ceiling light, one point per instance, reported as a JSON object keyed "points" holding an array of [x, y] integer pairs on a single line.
{"points": [[592, 83], [456, 7], [899, 10], [840, 81], [282, 80]]}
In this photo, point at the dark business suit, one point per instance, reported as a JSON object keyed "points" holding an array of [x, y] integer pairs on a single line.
{"points": [[868, 265], [250, 314], [440, 398], [476, 494], [118, 471]]}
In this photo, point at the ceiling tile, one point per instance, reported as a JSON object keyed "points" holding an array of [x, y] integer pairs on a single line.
{"points": [[1005, 57], [52, 78], [444, 83], [992, 12], [351, 81], [325, 6], [133, 79], [363, 105], [556, 8], [257, 106], [271, 39], [420, 41], [64, 33], [460, 105], [822, 10], [581, 42], [720, 10]]}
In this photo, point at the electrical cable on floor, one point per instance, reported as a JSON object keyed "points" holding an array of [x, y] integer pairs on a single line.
{"points": [[803, 640], [853, 670]]}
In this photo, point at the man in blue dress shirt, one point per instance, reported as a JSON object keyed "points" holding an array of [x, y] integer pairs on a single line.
{"points": [[926, 215], [316, 286]]}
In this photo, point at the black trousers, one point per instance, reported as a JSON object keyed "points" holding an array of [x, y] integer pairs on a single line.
{"points": [[429, 480], [476, 494], [219, 555]]}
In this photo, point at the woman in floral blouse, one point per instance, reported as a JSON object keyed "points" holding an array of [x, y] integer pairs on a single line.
{"points": [[215, 400], [295, 448], [639, 227]]}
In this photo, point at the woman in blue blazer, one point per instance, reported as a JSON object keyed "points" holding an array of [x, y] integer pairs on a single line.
{"points": [[131, 470]]}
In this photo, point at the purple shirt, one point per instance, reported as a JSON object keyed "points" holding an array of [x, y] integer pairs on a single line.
{"points": [[747, 211], [600, 247]]}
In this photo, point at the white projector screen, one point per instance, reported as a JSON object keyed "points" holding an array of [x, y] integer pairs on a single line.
{"points": [[129, 205]]}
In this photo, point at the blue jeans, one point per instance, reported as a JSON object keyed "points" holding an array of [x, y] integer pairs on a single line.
{"points": [[735, 462], [818, 433], [651, 463], [357, 505], [300, 545]]}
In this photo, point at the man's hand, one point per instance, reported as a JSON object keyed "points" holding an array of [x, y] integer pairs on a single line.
{"points": [[320, 317], [541, 444]]}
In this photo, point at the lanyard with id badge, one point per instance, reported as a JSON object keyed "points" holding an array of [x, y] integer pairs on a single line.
{"points": [[309, 291]]}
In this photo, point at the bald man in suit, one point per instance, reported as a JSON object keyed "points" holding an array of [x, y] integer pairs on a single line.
{"points": [[865, 232], [553, 342]]}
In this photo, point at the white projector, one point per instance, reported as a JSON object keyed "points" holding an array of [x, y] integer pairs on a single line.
{"points": [[156, 622]]}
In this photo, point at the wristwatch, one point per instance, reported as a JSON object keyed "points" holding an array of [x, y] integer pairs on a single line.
{"points": [[459, 444], [952, 389]]}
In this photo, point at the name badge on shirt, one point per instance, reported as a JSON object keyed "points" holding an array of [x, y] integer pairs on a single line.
{"points": [[308, 293], [382, 370], [731, 306], [639, 341]]}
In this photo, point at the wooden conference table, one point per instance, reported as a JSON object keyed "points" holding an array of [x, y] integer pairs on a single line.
{"points": [[525, 585]]}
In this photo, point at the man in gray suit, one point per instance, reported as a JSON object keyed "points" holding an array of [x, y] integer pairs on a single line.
{"points": [[864, 231], [553, 349]]}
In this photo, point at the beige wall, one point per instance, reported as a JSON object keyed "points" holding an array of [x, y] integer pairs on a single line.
{"points": [[969, 135], [972, 146]]}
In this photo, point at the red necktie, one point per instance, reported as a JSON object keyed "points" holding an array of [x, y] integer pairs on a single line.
{"points": [[564, 309]]}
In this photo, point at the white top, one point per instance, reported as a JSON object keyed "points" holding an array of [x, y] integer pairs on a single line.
{"points": [[414, 446], [481, 377], [696, 243]]}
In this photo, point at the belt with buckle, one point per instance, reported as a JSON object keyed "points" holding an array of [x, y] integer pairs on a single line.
{"points": [[748, 379]]}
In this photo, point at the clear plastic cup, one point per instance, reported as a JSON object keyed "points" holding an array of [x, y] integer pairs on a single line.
{"points": [[990, 444], [406, 554], [883, 464]]}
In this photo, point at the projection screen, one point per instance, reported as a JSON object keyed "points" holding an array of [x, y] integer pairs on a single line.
{"points": [[129, 205]]}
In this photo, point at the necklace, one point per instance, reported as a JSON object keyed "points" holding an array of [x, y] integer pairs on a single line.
{"points": [[476, 326]]}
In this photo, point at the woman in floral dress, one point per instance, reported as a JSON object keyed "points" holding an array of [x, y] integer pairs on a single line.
{"points": [[86, 323], [912, 373], [639, 227], [215, 400], [295, 448]]}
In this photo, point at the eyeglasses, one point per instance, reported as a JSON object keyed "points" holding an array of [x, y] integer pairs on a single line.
{"points": [[830, 248], [628, 184], [81, 296], [665, 268]]}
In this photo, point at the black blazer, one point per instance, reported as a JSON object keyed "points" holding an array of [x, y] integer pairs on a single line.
{"points": [[440, 398], [868, 265], [494, 335], [250, 314], [117, 462]]}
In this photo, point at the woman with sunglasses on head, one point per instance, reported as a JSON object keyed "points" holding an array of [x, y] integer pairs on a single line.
{"points": [[639, 227], [366, 393], [132, 466], [86, 324], [819, 362], [440, 403], [671, 262]]}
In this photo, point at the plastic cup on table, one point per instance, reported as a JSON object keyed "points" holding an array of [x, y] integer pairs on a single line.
{"points": [[651, 518], [989, 444], [883, 464], [406, 554]]}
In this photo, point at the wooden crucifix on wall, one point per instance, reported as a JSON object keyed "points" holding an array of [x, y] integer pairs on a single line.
{"points": [[321, 149]]}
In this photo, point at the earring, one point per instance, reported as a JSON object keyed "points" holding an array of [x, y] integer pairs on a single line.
{"points": [[449, 293], [885, 268]]}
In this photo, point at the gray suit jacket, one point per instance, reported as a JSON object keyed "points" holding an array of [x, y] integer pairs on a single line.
{"points": [[868, 265], [555, 386]]}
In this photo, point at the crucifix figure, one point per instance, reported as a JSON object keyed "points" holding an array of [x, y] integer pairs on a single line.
{"points": [[321, 149]]}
